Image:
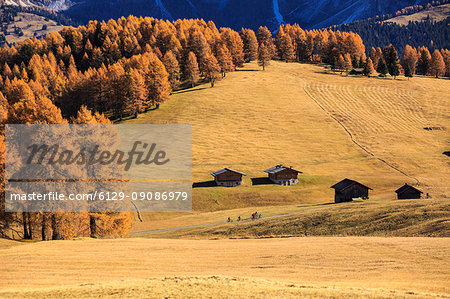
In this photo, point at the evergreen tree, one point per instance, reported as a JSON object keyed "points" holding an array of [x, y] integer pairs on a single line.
{"points": [[361, 63], [355, 62], [408, 72], [391, 59], [424, 62], [395, 70], [334, 63], [382, 68]]}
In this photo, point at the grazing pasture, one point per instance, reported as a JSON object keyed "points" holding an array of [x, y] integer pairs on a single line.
{"points": [[327, 125], [291, 267], [399, 218], [30, 24], [435, 14]]}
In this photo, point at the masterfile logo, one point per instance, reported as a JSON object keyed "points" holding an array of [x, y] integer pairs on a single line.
{"points": [[98, 168], [70, 152]]}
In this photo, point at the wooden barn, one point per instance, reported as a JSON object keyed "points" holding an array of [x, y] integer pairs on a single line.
{"points": [[282, 175], [408, 192], [347, 190], [357, 71], [228, 177]]}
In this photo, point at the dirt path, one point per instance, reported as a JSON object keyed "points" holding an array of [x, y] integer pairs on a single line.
{"points": [[218, 223]]}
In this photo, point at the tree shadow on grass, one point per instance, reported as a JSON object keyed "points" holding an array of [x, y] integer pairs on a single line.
{"points": [[248, 70], [189, 90], [204, 184], [328, 72], [262, 181]]}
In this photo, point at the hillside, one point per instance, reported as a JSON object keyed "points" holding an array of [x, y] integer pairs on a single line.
{"points": [[323, 267], [277, 116], [27, 25], [237, 14], [18, 23], [375, 33], [434, 14], [407, 218]]}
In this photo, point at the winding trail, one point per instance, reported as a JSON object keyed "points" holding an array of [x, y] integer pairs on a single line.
{"points": [[352, 137]]}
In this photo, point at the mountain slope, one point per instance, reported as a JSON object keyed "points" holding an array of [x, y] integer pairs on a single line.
{"points": [[434, 14], [237, 14]]}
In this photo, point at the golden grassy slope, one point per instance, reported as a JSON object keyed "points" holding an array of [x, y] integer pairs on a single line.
{"points": [[154, 221], [30, 23], [4, 243], [111, 267], [253, 120], [208, 287], [388, 119], [406, 218], [436, 14]]}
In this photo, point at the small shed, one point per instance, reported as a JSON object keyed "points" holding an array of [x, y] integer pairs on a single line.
{"points": [[283, 175], [228, 177], [408, 192], [347, 190], [357, 71]]}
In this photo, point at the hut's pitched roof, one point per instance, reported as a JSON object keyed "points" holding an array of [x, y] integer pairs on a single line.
{"points": [[405, 187], [346, 183], [225, 170], [279, 168]]}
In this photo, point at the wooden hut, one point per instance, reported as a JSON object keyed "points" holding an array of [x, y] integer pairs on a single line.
{"points": [[408, 192], [357, 71], [347, 190], [228, 177], [282, 175]]}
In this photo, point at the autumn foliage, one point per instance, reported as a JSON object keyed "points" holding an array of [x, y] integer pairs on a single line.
{"points": [[110, 70], [121, 68]]}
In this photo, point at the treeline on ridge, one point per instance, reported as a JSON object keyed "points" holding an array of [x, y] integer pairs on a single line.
{"points": [[124, 67], [428, 33]]}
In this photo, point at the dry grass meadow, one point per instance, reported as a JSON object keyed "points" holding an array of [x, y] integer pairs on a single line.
{"points": [[30, 24], [327, 125], [253, 120], [356, 267], [406, 218], [436, 14]]}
